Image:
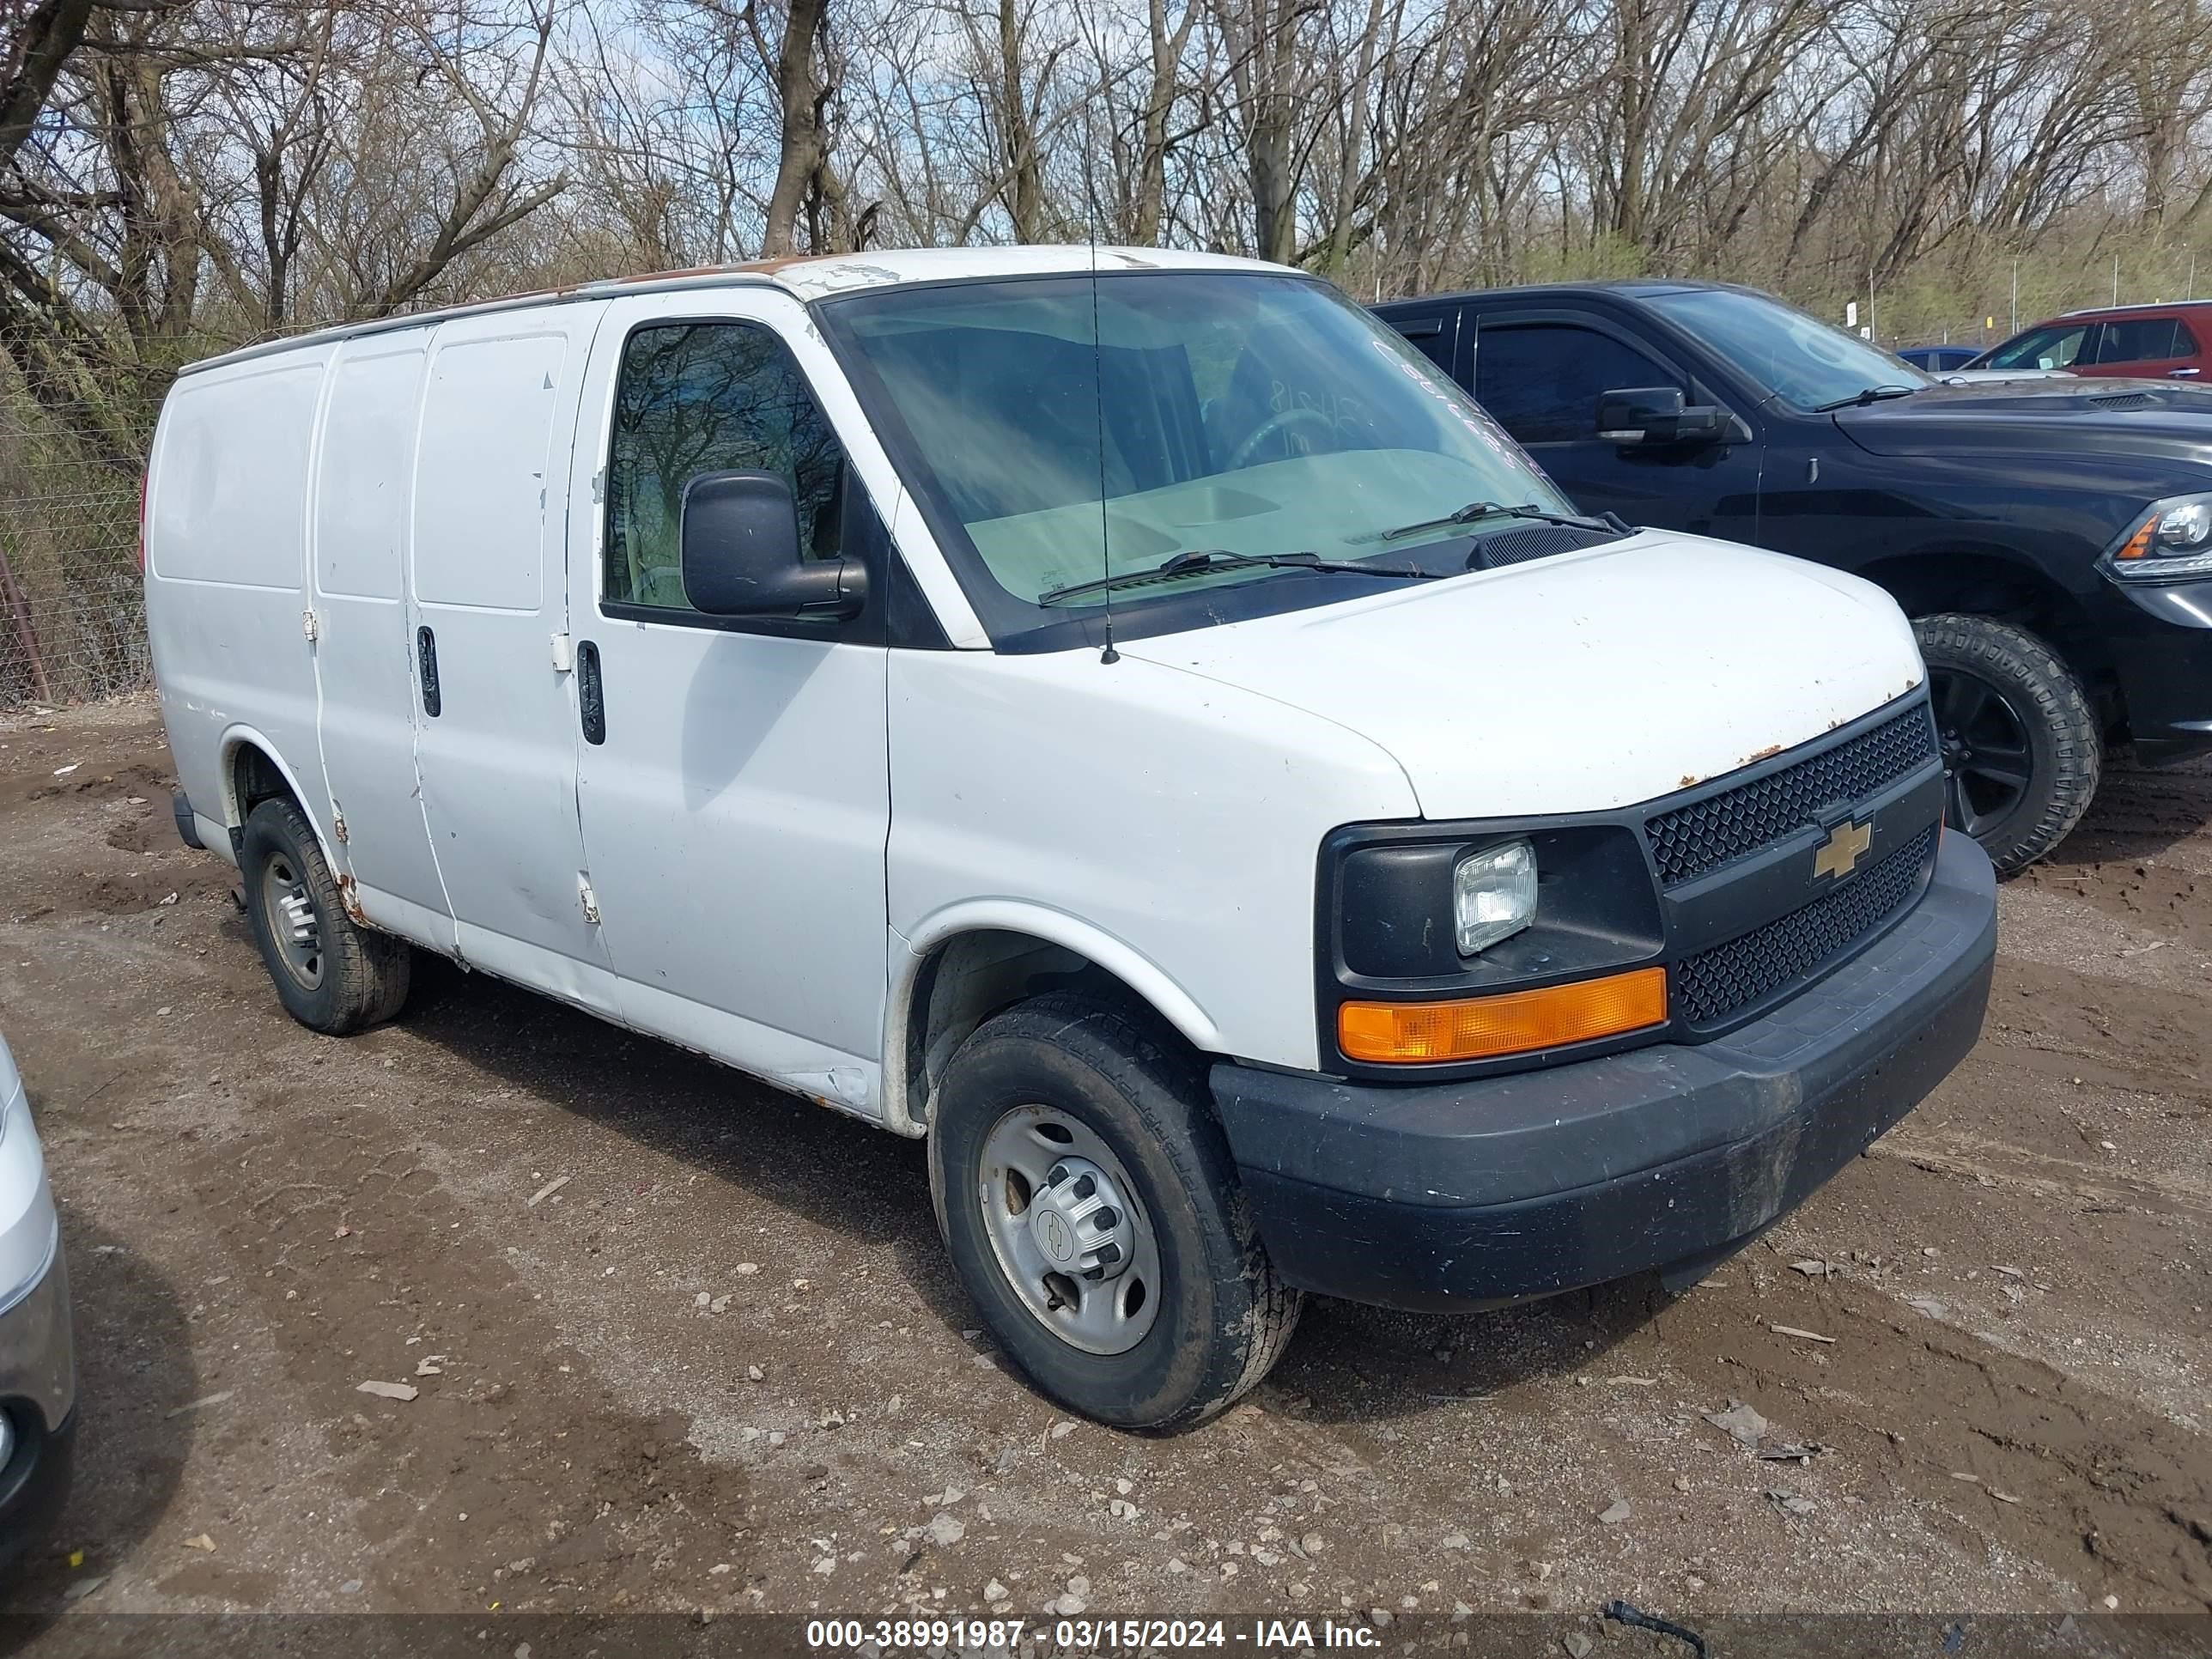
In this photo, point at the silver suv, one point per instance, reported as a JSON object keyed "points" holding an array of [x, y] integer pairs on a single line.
{"points": [[38, 1369]]}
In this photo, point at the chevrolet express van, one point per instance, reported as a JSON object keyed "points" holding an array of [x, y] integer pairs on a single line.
{"points": [[1124, 716]]}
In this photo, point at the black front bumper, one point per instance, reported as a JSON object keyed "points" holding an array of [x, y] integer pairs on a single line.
{"points": [[2161, 638], [1454, 1196]]}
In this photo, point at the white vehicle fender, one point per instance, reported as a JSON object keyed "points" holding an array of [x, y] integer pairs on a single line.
{"points": [[1138, 972], [238, 736]]}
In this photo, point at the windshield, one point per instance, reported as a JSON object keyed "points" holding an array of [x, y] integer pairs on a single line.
{"points": [[1057, 430], [1803, 361]]}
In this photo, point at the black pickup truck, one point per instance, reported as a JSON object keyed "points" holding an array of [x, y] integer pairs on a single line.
{"points": [[2050, 538]]}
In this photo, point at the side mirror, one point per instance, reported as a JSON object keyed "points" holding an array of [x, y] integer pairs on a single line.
{"points": [[1656, 415], [741, 555]]}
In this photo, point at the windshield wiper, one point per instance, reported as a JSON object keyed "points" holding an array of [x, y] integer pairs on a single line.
{"points": [[1873, 394], [1198, 562], [1474, 512]]}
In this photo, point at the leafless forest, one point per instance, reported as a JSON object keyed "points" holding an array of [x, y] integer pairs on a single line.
{"points": [[177, 176]]}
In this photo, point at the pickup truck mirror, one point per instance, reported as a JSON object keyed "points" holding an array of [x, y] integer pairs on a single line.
{"points": [[1656, 415], [741, 554]]}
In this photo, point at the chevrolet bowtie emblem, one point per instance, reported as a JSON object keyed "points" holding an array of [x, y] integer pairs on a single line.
{"points": [[1842, 849]]}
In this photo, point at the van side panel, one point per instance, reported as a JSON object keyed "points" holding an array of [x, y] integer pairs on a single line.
{"points": [[364, 653], [226, 549], [488, 566]]}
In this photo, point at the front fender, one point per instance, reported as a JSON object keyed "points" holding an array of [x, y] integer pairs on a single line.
{"points": [[1144, 976]]}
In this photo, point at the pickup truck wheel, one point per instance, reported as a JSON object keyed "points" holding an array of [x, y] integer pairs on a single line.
{"points": [[2020, 745], [1090, 1206], [331, 973]]}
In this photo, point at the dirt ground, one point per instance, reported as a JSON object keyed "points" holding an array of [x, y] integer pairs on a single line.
{"points": [[682, 1343]]}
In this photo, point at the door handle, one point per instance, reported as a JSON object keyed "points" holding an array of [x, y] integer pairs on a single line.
{"points": [[426, 660], [2180, 374], [591, 696]]}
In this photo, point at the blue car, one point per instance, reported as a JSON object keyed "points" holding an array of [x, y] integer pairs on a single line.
{"points": [[1940, 359]]}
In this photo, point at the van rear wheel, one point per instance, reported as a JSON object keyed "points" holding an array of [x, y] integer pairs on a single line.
{"points": [[331, 973], [1090, 1206], [2021, 750]]}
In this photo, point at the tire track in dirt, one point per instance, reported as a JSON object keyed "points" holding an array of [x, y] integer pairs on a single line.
{"points": [[2009, 1447], [1977, 1159], [374, 1272]]}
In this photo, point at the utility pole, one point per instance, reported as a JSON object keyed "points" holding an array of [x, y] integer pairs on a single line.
{"points": [[2116, 279], [2014, 326]]}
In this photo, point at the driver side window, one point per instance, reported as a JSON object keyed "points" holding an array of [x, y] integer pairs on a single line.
{"points": [[707, 397], [1542, 381]]}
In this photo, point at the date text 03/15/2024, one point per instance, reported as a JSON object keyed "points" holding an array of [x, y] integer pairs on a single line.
{"points": [[1085, 1635]]}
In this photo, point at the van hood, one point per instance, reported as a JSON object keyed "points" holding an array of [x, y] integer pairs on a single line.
{"points": [[2133, 417], [1580, 683]]}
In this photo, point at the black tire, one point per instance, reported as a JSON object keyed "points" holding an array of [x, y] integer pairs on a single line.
{"points": [[2002, 694], [1223, 1316], [361, 975]]}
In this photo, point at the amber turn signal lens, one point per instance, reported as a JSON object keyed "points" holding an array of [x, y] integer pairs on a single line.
{"points": [[2138, 544], [1478, 1028]]}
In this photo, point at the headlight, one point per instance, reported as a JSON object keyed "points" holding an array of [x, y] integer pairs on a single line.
{"points": [[1493, 895], [2172, 541], [2186, 527]]}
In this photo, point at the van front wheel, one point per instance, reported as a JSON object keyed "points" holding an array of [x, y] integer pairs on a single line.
{"points": [[331, 973], [1090, 1206]]}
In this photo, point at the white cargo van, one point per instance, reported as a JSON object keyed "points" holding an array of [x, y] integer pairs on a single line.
{"points": [[1122, 715]]}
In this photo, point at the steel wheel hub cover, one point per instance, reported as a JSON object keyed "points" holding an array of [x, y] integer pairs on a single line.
{"points": [[1079, 1223], [1068, 1229], [292, 923]]}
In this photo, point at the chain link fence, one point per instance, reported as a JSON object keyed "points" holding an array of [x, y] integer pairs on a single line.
{"points": [[72, 609]]}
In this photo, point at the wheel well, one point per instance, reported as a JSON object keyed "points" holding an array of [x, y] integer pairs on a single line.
{"points": [[255, 778], [1982, 584], [973, 975]]}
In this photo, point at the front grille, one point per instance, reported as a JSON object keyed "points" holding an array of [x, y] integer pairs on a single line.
{"points": [[1714, 984], [1690, 841]]}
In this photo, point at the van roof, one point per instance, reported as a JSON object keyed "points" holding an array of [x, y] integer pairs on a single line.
{"points": [[806, 276]]}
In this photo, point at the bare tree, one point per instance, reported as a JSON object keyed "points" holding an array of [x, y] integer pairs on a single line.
{"points": [[312, 158], [803, 92]]}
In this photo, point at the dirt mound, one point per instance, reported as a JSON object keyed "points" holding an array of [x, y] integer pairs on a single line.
{"points": [[123, 893]]}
